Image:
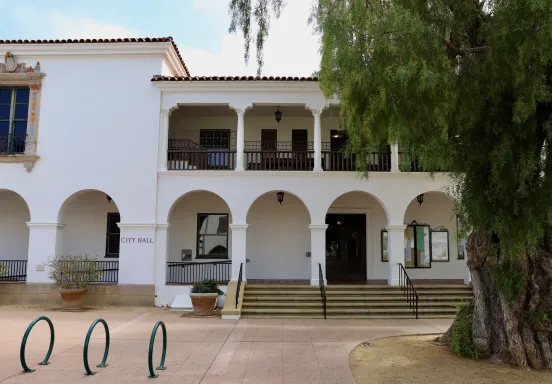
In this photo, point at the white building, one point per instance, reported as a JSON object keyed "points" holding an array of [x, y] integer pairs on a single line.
{"points": [[111, 148]]}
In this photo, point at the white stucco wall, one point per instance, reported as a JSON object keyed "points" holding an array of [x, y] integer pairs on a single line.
{"points": [[278, 238], [14, 232], [85, 219]]}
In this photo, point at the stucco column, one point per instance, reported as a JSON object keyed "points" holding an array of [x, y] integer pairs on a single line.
{"points": [[467, 275], [44, 242], [239, 243], [395, 158], [164, 139], [161, 258], [316, 110], [395, 244], [240, 109], [318, 252], [136, 253]]}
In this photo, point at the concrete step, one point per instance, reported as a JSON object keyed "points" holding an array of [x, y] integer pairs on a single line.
{"points": [[345, 304], [247, 310]]}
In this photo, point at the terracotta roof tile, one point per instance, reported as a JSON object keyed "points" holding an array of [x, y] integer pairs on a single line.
{"points": [[104, 41], [233, 78]]}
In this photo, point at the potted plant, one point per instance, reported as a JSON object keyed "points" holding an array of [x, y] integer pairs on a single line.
{"points": [[204, 296], [72, 274]]}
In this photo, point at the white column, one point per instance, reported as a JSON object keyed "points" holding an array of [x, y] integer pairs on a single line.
{"points": [[136, 253], [239, 245], [395, 158], [316, 110], [395, 244], [240, 109], [164, 139], [161, 253], [318, 252], [467, 276], [44, 242]]}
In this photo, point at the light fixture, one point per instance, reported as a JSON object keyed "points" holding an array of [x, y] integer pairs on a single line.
{"points": [[420, 199], [108, 198], [278, 115], [280, 196], [338, 222]]}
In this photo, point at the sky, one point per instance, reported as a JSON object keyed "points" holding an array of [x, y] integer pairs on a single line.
{"points": [[199, 28]]}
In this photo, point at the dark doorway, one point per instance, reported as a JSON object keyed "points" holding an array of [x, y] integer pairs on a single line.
{"points": [[299, 140], [346, 247]]}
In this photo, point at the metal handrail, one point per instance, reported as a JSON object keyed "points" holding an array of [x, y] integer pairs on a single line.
{"points": [[322, 288], [408, 290], [188, 272], [239, 285]]}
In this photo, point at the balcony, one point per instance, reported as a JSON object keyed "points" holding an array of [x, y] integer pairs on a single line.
{"points": [[11, 144]]}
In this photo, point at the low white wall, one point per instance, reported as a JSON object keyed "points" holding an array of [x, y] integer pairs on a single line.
{"points": [[165, 295], [278, 238], [14, 232], [85, 219]]}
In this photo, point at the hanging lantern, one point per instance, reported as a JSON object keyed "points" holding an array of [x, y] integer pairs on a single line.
{"points": [[420, 199], [280, 196], [278, 115]]}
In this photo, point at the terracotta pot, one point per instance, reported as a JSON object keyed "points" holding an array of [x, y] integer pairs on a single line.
{"points": [[73, 299], [204, 303]]}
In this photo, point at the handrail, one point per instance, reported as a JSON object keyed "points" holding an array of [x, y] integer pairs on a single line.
{"points": [[188, 272], [86, 343], [239, 286], [322, 288], [161, 366], [408, 289], [26, 369]]}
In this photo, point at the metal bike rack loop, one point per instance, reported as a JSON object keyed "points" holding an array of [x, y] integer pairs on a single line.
{"points": [[161, 367], [87, 341], [26, 369]]}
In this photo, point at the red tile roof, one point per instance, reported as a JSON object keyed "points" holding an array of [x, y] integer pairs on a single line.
{"points": [[233, 78], [104, 41]]}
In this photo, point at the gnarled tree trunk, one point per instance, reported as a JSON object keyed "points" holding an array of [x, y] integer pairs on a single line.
{"points": [[504, 329]]}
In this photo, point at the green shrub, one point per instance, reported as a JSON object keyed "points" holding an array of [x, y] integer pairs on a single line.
{"points": [[509, 281], [462, 344], [206, 286], [73, 271], [537, 316]]}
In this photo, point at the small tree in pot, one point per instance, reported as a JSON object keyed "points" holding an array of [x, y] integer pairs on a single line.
{"points": [[204, 296], [72, 274]]}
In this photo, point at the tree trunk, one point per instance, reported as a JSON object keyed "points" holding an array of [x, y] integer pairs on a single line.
{"points": [[514, 329]]}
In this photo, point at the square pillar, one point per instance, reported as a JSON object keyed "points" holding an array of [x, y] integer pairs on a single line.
{"points": [[239, 244], [44, 242], [161, 252], [395, 158], [318, 253], [136, 253], [395, 243], [163, 139]]}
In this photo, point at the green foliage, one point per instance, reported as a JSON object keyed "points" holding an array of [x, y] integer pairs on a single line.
{"points": [[463, 85], [73, 271], [462, 344], [509, 281], [206, 286], [2, 269], [537, 316]]}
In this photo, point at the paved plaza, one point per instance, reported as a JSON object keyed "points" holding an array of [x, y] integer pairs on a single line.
{"points": [[200, 350]]}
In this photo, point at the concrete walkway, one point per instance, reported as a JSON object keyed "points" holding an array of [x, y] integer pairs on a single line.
{"points": [[199, 350]]}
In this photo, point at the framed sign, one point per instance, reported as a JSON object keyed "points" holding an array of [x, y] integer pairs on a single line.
{"points": [[439, 244], [384, 246], [417, 246]]}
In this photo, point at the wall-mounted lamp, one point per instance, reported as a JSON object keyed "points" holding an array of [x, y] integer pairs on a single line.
{"points": [[420, 199], [280, 196], [278, 115]]}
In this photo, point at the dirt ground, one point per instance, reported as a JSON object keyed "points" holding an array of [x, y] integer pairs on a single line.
{"points": [[417, 359]]}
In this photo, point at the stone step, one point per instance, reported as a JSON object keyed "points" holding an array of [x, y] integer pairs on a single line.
{"points": [[302, 298], [344, 311], [400, 304]]}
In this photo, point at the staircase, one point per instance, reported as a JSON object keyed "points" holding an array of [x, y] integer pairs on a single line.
{"points": [[351, 301]]}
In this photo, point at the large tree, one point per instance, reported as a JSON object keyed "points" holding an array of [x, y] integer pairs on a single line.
{"points": [[466, 84]]}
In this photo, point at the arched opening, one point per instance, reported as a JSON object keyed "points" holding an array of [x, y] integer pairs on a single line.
{"points": [[278, 238], [14, 236], [355, 238], [199, 241], [90, 225], [431, 244]]}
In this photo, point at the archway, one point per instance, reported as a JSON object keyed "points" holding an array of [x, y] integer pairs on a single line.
{"points": [[90, 219], [355, 248], [278, 238], [14, 236], [431, 244]]}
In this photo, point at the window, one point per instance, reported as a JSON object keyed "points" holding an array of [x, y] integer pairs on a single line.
{"points": [[14, 110], [113, 235], [212, 236]]}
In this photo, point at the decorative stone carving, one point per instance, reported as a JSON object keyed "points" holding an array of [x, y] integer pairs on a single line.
{"points": [[10, 65], [318, 107], [240, 107]]}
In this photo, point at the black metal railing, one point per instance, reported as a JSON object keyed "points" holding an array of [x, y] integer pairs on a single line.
{"points": [[208, 159], [239, 285], [108, 270], [188, 272], [285, 146], [279, 160], [322, 288], [334, 158], [12, 143], [408, 290], [13, 270]]}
